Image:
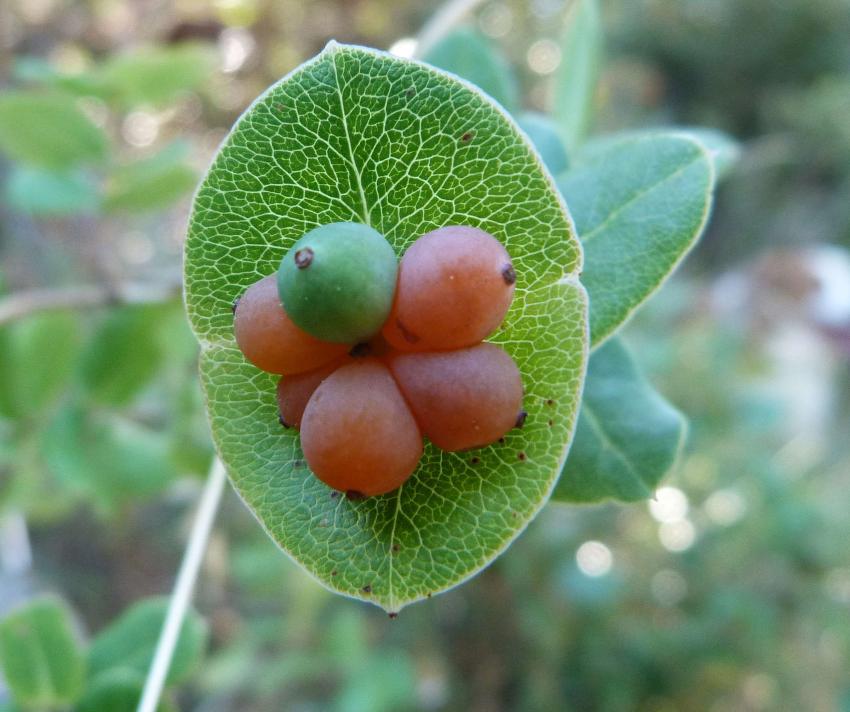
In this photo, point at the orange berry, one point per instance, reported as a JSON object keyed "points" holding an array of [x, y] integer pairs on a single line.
{"points": [[454, 288], [293, 392], [357, 433], [461, 399], [270, 340]]}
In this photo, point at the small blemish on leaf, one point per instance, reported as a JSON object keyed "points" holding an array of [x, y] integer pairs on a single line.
{"points": [[367, 588], [410, 92], [551, 422], [393, 615], [279, 106], [334, 572], [354, 495], [467, 136], [550, 402], [334, 494], [396, 547], [475, 461], [298, 463], [520, 419], [501, 441], [521, 456]]}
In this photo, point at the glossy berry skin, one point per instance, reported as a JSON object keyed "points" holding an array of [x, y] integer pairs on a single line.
{"points": [[461, 399], [357, 433], [454, 288], [270, 340], [337, 282], [294, 392]]}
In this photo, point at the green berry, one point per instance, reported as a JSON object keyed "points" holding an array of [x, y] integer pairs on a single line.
{"points": [[338, 281]]}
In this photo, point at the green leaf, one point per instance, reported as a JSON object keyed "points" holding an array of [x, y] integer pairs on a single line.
{"points": [[578, 73], [356, 134], [639, 203], [156, 75], [722, 148], [130, 641], [48, 130], [544, 135], [40, 657], [36, 361], [472, 56], [122, 355], [117, 690], [106, 457], [150, 184], [627, 438], [50, 193]]}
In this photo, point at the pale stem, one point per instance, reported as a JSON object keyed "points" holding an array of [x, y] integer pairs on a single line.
{"points": [[184, 587], [442, 22]]}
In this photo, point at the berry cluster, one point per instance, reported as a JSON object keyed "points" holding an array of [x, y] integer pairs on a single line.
{"points": [[376, 354]]}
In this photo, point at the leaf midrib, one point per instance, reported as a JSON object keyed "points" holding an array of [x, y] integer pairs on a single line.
{"points": [[586, 237]]}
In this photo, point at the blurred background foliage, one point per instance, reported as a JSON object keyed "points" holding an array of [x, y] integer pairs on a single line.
{"points": [[729, 591]]}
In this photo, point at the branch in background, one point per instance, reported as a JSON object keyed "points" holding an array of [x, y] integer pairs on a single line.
{"points": [[23, 304], [441, 23]]}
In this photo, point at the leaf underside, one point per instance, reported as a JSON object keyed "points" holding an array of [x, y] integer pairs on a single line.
{"points": [[358, 135], [627, 438]]}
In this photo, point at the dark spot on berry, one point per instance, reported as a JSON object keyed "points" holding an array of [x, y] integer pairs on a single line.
{"points": [[475, 460], [509, 273], [550, 402], [334, 494], [520, 419], [360, 350], [367, 588], [354, 495], [521, 456], [282, 421], [235, 303], [408, 336], [393, 616], [467, 137], [304, 258]]}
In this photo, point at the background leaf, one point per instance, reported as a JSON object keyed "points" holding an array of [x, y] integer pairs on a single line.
{"points": [[118, 690], [123, 354], [470, 55], [544, 135], [578, 72], [36, 361], [129, 642], [639, 204], [40, 657], [152, 183], [155, 76], [50, 193], [627, 438], [359, 135], [48, 130]]}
